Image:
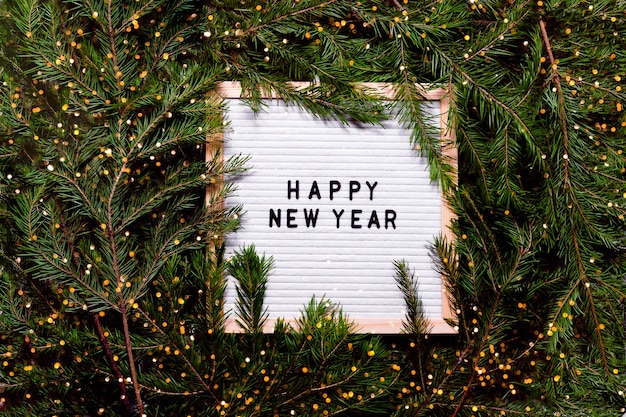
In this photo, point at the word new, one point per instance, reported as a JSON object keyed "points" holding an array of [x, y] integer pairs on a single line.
{"points": [[352, 217]]}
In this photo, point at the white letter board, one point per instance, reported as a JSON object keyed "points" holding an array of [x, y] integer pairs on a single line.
{"points": [[334, 205]]}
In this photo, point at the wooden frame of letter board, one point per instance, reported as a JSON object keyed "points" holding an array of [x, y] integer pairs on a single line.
{"points": [[371, 325]]}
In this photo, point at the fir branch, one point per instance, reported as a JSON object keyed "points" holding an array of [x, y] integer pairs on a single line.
{"points": [[439, 166], [321, 388], [485, 337], [476, 159], [591, 298], [206, 388], [84, 198], [131, 357], [568, 185], [48, 64], [165, 45], [96, 319], [320, 6], [154, 201], [162, 253], [65, 271], [144, 8], [281, 377], [116, 68], [160, 392], [492, 241], [443, 383], [508, 164], [110, 232], [490, 96], [109, 354], [497, 37], [250, 271], [557, 83], [415, 322]]}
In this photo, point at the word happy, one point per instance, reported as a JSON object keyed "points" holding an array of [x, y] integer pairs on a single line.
{"points": [[292, 218]]}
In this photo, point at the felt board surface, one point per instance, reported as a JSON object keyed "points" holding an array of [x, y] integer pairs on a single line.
{"points": [[334, 205]]}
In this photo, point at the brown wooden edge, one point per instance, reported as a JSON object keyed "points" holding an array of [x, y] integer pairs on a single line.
{"points": [[450, 151], [233, 90]]}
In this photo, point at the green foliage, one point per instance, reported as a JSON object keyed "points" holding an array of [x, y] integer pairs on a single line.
{"points": [[415, 323], [111, 296], [251, 273]]}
